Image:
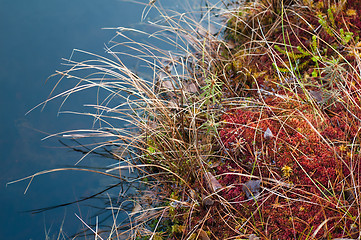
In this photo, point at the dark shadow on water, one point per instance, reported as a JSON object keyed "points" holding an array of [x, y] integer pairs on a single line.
{"points": [[120, 193]]}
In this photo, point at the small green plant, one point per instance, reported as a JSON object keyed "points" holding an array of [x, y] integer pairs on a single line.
{"points": [[212, 91], [345, 36]]}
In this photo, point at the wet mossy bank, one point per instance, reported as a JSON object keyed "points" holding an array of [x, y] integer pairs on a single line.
{"points": [[268, 144]]}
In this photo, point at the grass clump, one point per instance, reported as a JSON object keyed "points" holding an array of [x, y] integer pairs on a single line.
{"points": [[249, 131]]}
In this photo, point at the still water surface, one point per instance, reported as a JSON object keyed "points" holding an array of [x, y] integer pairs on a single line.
{"points": [[34, 36]]}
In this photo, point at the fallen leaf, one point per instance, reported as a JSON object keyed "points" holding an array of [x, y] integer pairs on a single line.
{"points": [[202, 235], [268, 134], [252, 188], [212, 182]]}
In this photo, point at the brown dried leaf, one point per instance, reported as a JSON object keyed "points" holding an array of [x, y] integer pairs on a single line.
{"points": [[212, 182]]}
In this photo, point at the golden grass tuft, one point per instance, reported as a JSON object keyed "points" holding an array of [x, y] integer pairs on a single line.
{"points": [[251, 130]]}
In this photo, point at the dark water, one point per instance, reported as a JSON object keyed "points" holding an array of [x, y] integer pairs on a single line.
{"points": [[34, 36]]}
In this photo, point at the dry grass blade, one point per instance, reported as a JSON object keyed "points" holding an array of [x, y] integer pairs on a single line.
{"points": [[250, 130]]}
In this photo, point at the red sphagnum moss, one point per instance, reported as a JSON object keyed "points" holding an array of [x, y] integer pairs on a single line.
{"points": [[291, 110], [312, 169]]}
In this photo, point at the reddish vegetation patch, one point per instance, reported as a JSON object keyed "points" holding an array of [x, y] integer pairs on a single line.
{"points": [[309, 156]]}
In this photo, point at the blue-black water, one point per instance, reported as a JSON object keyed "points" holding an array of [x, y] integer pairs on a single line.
{"points": [[34, 36]]}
